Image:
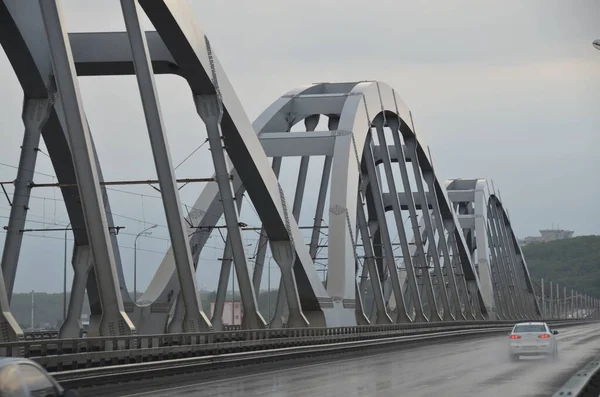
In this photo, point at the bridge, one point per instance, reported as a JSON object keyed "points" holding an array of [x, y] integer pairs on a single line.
{"points": [[454, 267]]}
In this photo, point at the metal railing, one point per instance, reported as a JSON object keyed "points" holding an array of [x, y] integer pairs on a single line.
{"points": [[53, 334], [60, 354]]}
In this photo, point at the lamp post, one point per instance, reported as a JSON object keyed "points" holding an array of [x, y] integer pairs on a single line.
{"points": [[596, 44], [142, 233], [65, 277]]}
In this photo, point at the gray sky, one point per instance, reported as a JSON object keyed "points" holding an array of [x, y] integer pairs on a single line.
{"points": [[506, 90]]}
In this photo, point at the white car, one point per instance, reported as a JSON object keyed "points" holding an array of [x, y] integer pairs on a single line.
{"points": [[532, 339]]}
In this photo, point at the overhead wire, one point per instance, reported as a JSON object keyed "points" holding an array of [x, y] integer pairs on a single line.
{"points": [[141, 195]]}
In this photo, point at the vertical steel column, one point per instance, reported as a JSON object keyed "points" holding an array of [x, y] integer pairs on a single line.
{"points": [[217, 316], [475, 298], [420, 255], [503, 264], [508, 290], [509, 261], [114, 319], [503, 285], [318, 221], [442, 226], [210, 109], [469, 311], [35, 115], [516, 263], [263, 240], [194, 318], [82, 264], [387, 166], [369, 161], [382, 316], [412, 147], [501, 303], [310, 123], [326, 175], [364, 274]]}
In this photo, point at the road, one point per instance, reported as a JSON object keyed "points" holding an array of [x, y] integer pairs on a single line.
{"points": [[478, 367]]}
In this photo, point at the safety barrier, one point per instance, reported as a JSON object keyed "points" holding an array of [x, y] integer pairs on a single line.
{"points": [[123, 377], [62, 354]]}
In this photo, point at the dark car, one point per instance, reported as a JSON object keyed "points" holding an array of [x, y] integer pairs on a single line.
{"points": [[20, 377]]}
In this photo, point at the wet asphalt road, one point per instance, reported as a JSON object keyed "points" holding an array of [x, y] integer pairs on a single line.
{"points": [[478, 367]]}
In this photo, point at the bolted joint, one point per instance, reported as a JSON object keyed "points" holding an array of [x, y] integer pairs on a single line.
{"points": [[208, 107]]}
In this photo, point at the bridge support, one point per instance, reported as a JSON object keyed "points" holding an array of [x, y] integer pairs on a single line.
{"points": [[283, 253], [217, 317], [82, 264], [114, 319], [261, 253], [9, 328], [379, 122], [376, 196], [381, 315], [210, 109], [194, 319], [35, 115]]}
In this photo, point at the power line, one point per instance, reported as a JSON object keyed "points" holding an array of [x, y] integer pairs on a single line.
{"points": [[25, 169], [119, 245], [190, 155]]}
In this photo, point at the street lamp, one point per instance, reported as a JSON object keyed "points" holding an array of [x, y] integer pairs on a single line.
{"points": [[142, 233], [596, 44], [65, 277]]}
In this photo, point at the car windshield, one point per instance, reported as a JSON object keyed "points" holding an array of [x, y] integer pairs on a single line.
{"points": [[529, 328]]}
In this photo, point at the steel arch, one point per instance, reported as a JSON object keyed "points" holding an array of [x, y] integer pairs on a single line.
{"points": [[506, 283], [47, 62]]}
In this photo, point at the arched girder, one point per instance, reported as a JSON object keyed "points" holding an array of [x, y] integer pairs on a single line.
{"points": [[506, 285], [179, 47], [351, 103]]}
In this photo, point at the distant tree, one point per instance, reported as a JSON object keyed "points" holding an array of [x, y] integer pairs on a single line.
{"points": [[573, 263]]}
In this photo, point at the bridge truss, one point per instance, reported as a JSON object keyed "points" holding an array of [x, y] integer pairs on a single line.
{"points": [[456, 256]]}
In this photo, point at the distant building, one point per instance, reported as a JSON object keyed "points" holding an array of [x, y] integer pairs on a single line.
{"points": [[547, 235], [232, 312]]}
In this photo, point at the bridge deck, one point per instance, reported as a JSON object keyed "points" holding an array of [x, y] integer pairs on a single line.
{"points": [[465, 368]]}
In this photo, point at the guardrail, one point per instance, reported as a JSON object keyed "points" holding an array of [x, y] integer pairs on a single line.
{"points": [[62, 354], [53, 334], [585, 382], [156, 371]]}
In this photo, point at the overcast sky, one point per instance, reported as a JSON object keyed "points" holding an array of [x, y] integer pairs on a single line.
{"points": [[506, 90]]}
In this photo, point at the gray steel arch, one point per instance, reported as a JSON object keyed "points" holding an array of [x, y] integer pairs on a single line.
{"points": [[348, 105], [47, 62], [506, 284]]}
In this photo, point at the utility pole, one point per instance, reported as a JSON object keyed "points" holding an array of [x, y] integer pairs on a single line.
{"points": [[144, 232], [32, 309], [65, 277], [232, 295]]}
